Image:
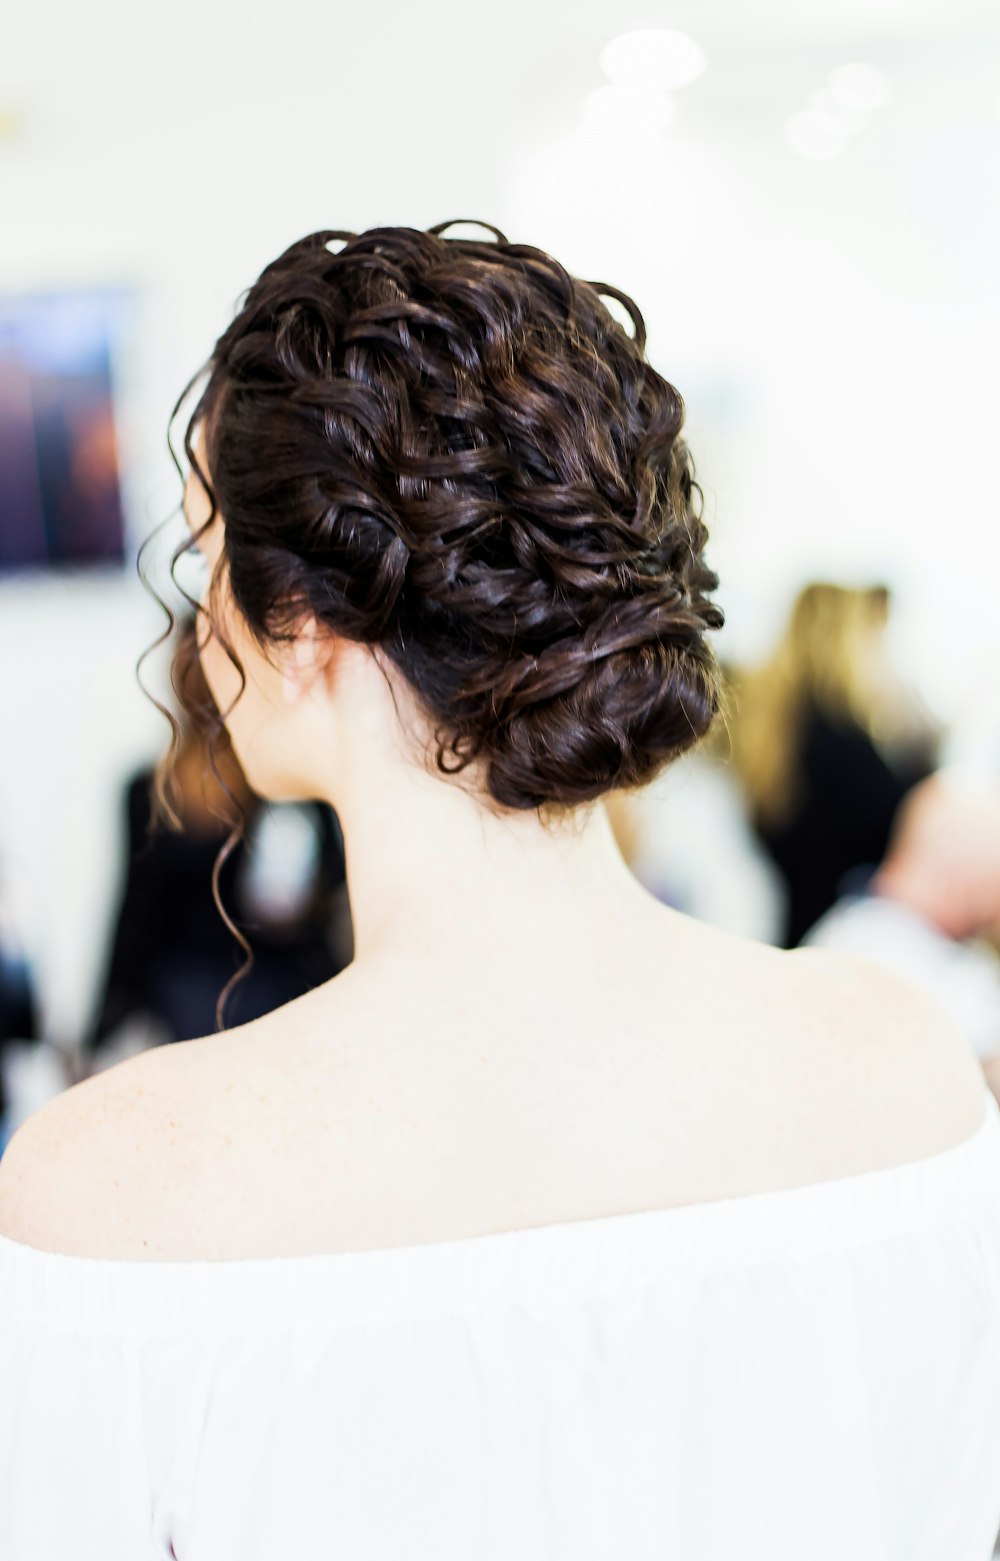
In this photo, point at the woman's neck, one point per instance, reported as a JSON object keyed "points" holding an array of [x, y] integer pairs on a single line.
{"points": [[431, 868]]}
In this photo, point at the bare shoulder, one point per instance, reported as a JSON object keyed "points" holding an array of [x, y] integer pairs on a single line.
{"points": [[176, 1152], [830, 1051], [75, 1173], [899, 1053]]}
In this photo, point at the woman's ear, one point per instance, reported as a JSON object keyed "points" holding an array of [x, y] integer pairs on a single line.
{"points": [[306, 661]]}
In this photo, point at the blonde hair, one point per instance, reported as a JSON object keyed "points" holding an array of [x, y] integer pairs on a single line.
{"points": [[826, 660]]}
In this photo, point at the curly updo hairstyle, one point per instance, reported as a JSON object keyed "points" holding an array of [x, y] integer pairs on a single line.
{"points": [[451, 451]]}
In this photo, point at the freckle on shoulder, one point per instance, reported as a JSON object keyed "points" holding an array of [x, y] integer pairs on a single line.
{"points": [[60, 1175]]}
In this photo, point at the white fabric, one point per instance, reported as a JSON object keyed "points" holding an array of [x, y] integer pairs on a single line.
{"points": [[793, 1376], [963, 978]]}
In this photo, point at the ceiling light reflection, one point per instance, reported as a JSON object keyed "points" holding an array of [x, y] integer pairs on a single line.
{"points": [[652, 57]]}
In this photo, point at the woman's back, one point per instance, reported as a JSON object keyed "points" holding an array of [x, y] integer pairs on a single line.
{"points": [[594, 1082]]}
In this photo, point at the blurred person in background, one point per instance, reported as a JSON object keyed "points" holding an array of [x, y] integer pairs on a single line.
{"points": [[283, 885], [18, 1010], [932, 909], [826, 742]]}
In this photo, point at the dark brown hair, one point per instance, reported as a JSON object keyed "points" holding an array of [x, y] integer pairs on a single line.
{"points": [[450, 450]]}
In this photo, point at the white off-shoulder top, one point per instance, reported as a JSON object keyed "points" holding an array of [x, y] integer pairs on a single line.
{"points": [[803, 1375]]}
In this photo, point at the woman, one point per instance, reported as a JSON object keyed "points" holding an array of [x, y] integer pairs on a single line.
{"points": [[557, 1225], [810, 733]]}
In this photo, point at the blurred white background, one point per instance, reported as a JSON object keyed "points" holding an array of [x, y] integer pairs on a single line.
{"points": [[815, 252]]}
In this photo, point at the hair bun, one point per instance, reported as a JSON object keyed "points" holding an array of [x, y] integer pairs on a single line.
{"points": [[607, 708]]}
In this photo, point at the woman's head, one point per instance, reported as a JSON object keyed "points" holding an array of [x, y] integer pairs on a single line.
{"points": [[447, 456], [833, 640], [943, 859]]}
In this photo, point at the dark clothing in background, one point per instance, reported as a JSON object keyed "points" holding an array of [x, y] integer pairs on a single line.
{"points": [[172, 953], [845, 805], [18, 1015]]}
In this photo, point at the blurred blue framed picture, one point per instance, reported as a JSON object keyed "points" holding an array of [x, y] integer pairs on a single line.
{"points": [[60, 491]]}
